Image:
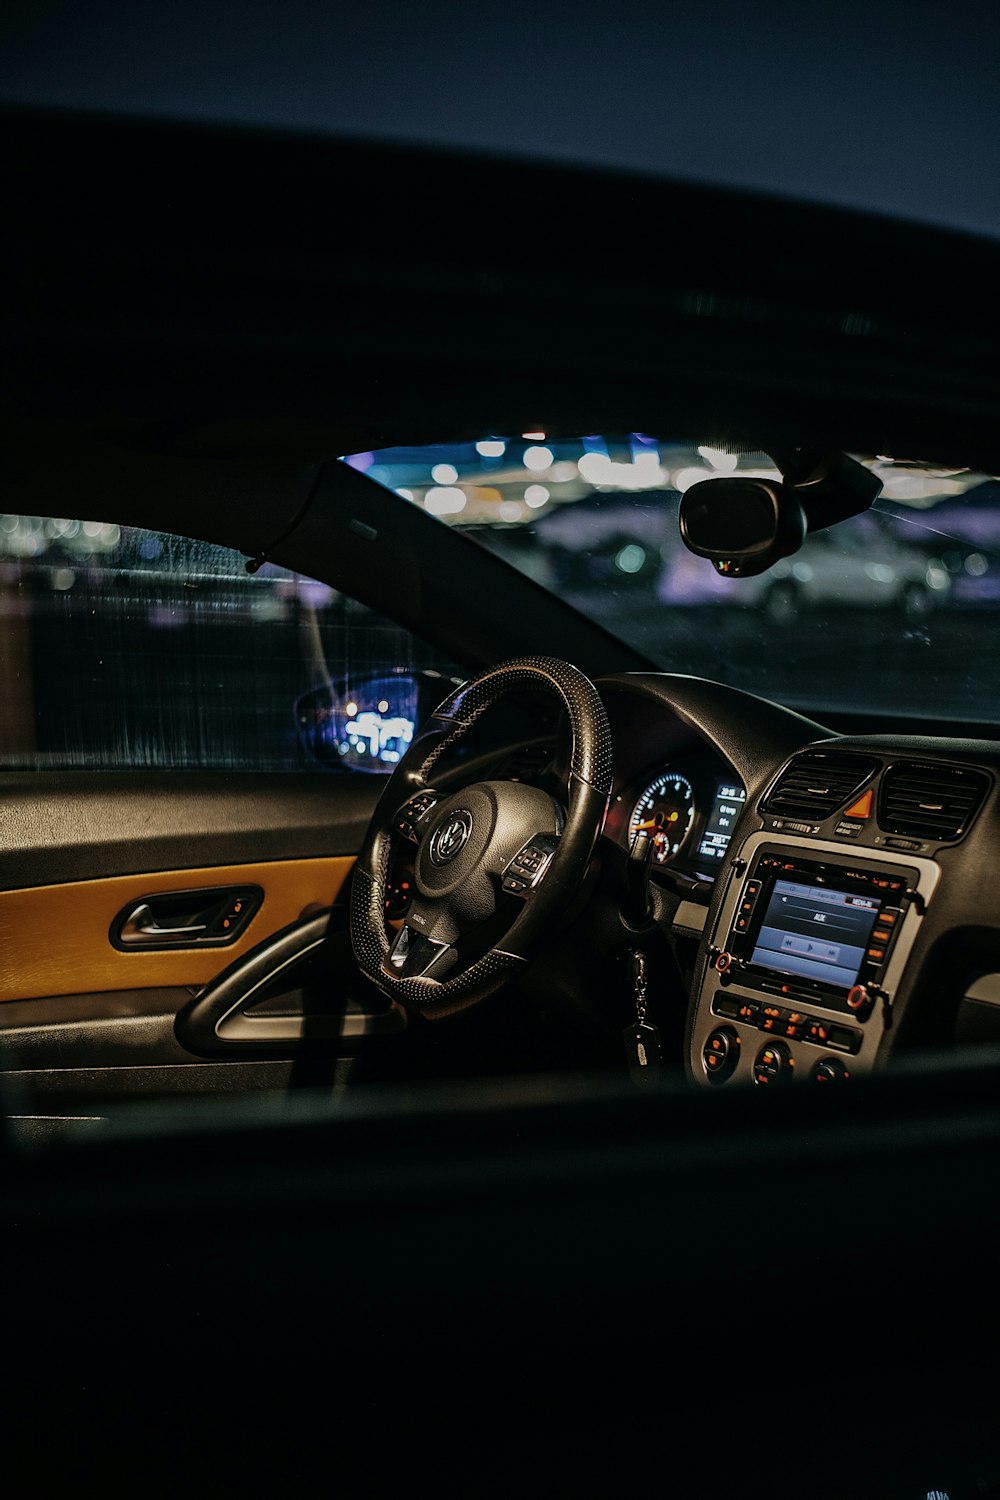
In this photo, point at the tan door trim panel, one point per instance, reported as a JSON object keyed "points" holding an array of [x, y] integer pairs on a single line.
{"points": [[54, 938]]}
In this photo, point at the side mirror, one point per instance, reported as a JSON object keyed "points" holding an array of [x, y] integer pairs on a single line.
{"points": [[366, 723]]}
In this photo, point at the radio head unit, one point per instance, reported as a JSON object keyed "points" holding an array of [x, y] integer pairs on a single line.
{"points": [[816, 929]]}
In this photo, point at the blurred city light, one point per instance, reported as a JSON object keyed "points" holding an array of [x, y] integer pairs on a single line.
{"points": [[631, 558], [443, 500], [723, 462], [538, 459]]}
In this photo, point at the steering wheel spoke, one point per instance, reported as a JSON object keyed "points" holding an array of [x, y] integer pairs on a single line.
{"points": [[414, 955]]}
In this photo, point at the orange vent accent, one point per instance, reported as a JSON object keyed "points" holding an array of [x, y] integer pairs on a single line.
{"points": [[862, 808]]}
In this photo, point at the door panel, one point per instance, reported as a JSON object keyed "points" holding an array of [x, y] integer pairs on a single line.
{"points": [[54, 939], [83, 1023]]}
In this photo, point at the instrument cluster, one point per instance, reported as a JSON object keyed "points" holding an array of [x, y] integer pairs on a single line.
{"points": [[689, 811]]}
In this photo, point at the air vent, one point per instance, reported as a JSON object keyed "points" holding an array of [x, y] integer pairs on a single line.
{"points": [[929, 801], [818, 782]]}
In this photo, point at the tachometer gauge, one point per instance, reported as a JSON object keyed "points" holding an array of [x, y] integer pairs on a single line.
{"points": [[665, 811]]}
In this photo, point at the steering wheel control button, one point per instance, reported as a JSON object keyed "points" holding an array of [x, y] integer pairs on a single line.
{"points": [[529, 864], [412, 813], [720, 1054], [774, 1064], [829, 1070]]}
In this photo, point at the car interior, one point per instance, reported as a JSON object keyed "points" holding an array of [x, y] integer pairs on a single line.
{"points": [[478, 1010]]}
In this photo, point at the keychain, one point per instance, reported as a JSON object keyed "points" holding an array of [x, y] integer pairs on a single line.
{"points": [[642, 1040]]}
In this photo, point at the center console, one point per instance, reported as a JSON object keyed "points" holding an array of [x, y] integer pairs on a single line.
{"points": [[803, 962]]}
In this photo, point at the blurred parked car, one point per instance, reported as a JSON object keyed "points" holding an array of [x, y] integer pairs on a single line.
{"points": [[859, 565]]}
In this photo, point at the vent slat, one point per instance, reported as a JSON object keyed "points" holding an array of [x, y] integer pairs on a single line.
{"points": [[928, 801], [816, 783]]}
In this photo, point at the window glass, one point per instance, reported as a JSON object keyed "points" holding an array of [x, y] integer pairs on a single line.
{"points": [[595, 519], [122, 648]]}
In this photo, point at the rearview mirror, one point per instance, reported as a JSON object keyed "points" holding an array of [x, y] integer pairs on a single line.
{"points": [[744, 524], [741, 525]]}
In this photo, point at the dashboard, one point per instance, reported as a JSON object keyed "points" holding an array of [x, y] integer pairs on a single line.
{"points": [[836, 905], [816, 904]]}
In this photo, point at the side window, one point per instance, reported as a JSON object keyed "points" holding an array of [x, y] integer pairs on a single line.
{"points": [[129, 649]]}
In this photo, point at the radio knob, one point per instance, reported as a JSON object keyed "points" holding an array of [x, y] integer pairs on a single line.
{"points": [[723, 961], [830, 1070], [720, 1054], [774, 1064], [861, 1001]]}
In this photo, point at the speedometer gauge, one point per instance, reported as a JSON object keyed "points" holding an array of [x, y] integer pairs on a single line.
{"points": [[665, 811]]}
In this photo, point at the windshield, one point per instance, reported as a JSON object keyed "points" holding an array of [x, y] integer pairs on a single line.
{"points": [[873, 614]]}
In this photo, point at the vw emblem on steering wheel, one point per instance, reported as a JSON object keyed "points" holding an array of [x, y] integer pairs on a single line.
{"points": [[451, 837]]}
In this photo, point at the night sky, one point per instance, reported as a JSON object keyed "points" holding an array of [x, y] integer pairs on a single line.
{"points": [[893, 108]]}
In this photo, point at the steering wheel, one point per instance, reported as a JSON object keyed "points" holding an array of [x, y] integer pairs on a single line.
{"points": [[495, 863]]}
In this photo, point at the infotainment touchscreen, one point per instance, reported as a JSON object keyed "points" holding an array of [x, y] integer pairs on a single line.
{"points": [[815, 932]]}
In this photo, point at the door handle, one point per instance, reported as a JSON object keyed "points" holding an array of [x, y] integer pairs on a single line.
{"points": [[186, 919], [142, 927]]}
